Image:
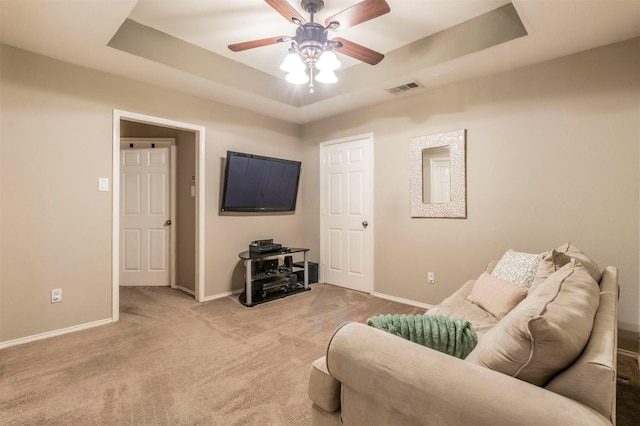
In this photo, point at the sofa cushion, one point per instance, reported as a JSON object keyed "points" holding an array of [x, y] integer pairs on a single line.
{"points": [[458, 306], [324, 390], [553, 261], [546, 332], [574, 252], [591, 379], [559, 257], [517, 267], [496, 296]]}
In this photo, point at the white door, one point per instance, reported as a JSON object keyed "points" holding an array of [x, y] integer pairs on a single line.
{"points": [[145, 217], [346, 213], [440, 180]]}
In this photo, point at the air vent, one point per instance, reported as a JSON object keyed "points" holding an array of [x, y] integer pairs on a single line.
{"points": [[404, 87]]}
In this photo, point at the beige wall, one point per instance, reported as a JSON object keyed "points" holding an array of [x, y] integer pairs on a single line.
{"points": [[552, 156], [55, 228]]}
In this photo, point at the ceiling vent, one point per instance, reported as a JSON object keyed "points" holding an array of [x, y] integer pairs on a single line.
{"points": [[404, 87]]}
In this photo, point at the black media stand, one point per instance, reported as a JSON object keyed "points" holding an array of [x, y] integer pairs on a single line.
{"points": [[274, 282]]}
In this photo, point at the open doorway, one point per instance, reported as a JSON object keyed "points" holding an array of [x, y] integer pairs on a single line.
{"points": [[190, 140], [150, 183]]}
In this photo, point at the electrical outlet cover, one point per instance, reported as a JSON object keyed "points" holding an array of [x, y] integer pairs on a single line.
{"points": [[56, 295]]}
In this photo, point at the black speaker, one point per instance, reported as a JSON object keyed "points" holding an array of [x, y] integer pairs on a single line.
{"points": [[313, 272], [288, 261]]}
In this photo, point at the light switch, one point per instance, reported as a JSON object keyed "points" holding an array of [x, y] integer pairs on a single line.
{"points": [[103, 184], [193, 191]]}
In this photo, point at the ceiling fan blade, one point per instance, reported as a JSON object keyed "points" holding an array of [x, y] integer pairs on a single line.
{"points": [[357, 51], [238, 47], [357, 14], [285, 9]]}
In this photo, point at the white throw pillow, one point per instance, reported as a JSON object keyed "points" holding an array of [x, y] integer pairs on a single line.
{"points": [[518, 268]]}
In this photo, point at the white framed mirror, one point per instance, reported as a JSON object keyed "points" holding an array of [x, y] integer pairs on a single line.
{"points": [[438, 175]]}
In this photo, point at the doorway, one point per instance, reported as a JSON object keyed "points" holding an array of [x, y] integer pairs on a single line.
{"points": [[148, 212], [346, 212], [198, 193]]}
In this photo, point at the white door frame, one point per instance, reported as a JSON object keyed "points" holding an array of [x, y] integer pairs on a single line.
{"points": [[369, 137], [119, 115], [165, 143]]}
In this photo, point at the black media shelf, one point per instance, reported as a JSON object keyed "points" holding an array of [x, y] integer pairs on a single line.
{"points": [[271, 280], [272, 295]]}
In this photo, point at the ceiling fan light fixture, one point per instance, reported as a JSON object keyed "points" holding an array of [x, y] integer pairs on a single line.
{"points": [[311, 48], [292, 62], [297, 77], [326, 76], [328, 61]]}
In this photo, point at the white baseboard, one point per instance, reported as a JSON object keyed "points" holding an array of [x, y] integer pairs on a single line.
{"points": [[628, 353], [54, 333], [403, 301], [221, 295], [186, 290]]}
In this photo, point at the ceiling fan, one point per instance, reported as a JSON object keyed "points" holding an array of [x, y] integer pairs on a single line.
{"points": [[311, 48]]}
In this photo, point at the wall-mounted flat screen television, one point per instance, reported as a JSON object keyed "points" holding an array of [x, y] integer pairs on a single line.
{"points": [[253, 183]]}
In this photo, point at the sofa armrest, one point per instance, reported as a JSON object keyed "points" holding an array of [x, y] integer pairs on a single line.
{"points": [[324, 390], [418, 385]]}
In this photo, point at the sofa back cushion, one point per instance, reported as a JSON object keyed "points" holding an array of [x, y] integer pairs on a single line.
{"points": [[553, 261], [557, 258], [591, 379], [546, 332]]}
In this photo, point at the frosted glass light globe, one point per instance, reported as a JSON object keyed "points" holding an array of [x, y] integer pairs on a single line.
{"points": [[297, 77], [328, 61]]}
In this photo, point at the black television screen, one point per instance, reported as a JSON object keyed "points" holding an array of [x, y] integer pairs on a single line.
{"points": [[253, 183]]}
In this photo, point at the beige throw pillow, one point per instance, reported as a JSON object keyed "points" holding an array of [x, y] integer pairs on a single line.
{"points": [[546, 332], [496, 296]]}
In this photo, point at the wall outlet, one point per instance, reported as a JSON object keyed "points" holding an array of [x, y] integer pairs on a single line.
{"points": [[56, 295], [103, 184], [431, 278]]}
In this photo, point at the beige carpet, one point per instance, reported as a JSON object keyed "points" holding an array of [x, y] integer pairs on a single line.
{"points": [[173, 361]]}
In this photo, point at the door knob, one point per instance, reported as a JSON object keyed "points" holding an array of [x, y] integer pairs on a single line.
{"points": [[168, 222], [365, 223]]}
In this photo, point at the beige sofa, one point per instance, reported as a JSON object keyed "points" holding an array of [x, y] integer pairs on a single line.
{"points": [[369, 377]]}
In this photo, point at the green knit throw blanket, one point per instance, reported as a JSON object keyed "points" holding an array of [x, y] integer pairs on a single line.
{"points": [[453, 336]]}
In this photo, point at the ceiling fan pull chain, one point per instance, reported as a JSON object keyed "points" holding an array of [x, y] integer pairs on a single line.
{"points": [[311, 77]]}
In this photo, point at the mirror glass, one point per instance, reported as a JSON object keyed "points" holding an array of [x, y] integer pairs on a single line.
{"points": [[438, 175]]}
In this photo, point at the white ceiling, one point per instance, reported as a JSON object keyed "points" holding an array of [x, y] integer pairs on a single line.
{"points": [[182, 44]]}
